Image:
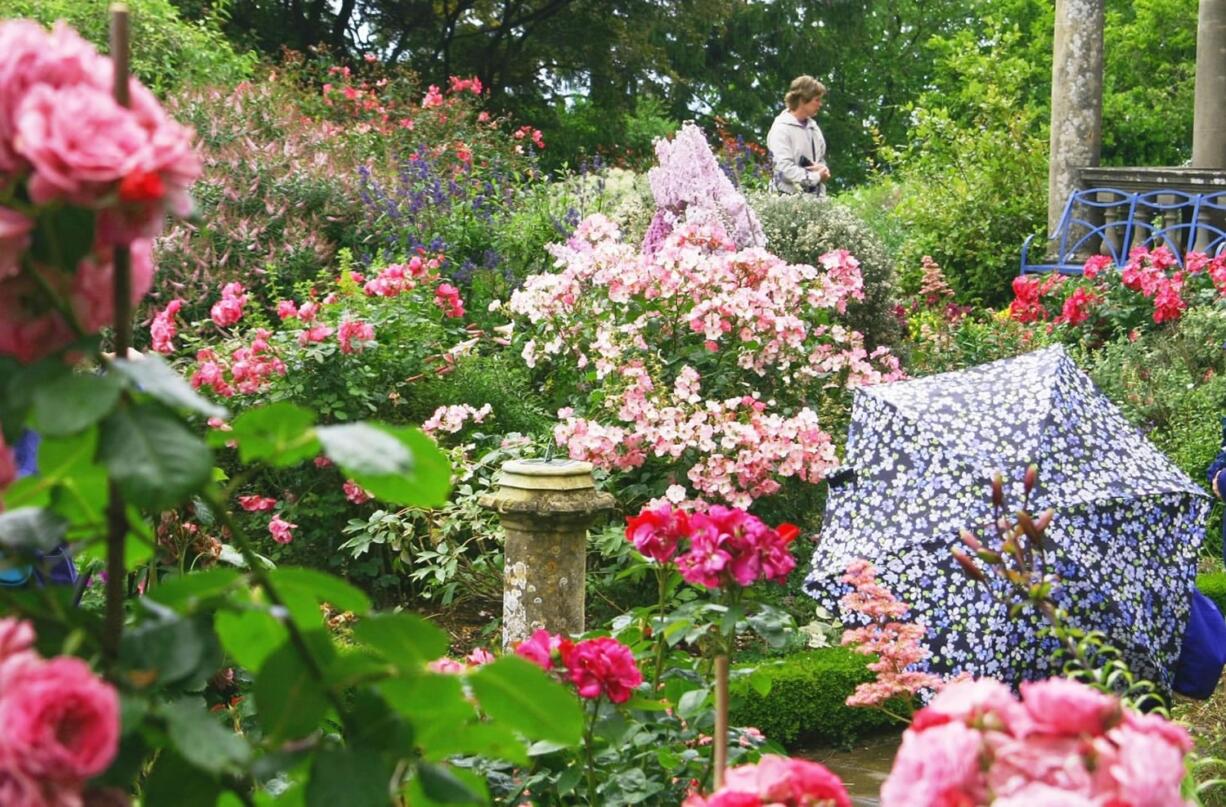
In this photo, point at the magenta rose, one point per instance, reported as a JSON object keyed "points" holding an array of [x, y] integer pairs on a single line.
{"points": [[59, 720], [539, 648], [602, 666], [655, 532]]}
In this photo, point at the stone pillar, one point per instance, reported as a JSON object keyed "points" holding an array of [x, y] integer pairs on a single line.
{"points": [[1209, 123], [1076, 99], [545, 508]]}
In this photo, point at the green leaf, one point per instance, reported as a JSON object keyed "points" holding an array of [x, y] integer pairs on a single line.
{"points": [[250, 636], [290, 702], [322, 587], [348, 777], [155, 460], [182, 592], [440, 785], [62, 237], [693, 702], [399, 465], [442, 741], [137, 549], [428, 699], [202, 740], [71, 403], [163, 650], [175, 783], [156, 378], [32, 529], [516, 692], [279, 434], [406, 640]]}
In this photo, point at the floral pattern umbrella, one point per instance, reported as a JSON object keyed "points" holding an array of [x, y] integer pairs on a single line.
{"points": [[920, 456]]}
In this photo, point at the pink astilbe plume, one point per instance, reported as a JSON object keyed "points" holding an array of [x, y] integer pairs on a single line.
{"points": [[895, 643]]}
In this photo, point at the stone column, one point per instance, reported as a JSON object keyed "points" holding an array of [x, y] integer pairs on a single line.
{"points": [[1076, 99], [545, 508], [1209, 123]]}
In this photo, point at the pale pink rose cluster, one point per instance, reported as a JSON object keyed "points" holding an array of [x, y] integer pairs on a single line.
{"points": [[775, 781], [737, 447], [1062, 743], [716, 547], [895, 643], [595, 667], [688, 185], [449, 666], [59, 723], [64, 140], [450, 419]]}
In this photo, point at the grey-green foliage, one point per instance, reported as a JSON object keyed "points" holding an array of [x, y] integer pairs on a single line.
{"points": [[167, 51], [801, 228]]}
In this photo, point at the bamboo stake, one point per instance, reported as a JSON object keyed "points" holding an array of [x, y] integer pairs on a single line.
{"points": [[721, 719], [117, 519]]}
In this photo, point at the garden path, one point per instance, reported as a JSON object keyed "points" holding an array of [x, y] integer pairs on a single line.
{"points": [[863, 768]]}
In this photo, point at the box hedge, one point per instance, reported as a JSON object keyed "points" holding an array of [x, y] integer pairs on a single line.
{"points": [[805, 705]]}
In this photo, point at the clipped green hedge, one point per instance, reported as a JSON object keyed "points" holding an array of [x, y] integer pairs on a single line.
{"points": [[805, 705], [1213, 586]]}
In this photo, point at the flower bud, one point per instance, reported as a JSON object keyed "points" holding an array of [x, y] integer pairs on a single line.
{"points": [[968, 566], [998, 490], [1028, 526], [969, 539], [1031, 479], [988, 556]]}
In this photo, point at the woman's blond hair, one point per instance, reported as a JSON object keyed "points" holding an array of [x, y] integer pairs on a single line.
{"points": [[803, 90]]}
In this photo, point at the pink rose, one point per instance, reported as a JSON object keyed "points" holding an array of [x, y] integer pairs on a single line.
{"points": [[1049, 759], [602, 666], [254, 504], [539, 648], [982, 701], [1143, 770], [479, 656], [776, 780], [940, 763], [163, 330], [8, 473], [59, 719], [14, 240], [79, 142], [16, 635], [1046, 795], [30, 56], [1063, 706], [281, 530], [655, 532], [355, 493], [1173, 733]]}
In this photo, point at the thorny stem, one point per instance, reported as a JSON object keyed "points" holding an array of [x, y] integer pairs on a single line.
{"points": [[661, 584], [588, 732]]}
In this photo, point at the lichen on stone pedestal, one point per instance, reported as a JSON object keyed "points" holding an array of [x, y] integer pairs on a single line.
{"points": [[545, 509]]}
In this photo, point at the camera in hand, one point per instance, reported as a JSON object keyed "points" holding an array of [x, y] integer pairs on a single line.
{"points": [[804, 162]]}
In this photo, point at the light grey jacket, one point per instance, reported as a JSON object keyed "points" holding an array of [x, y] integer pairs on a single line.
{"points": [[788, 140]]}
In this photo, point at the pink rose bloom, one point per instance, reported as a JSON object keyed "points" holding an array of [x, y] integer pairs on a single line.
{"points": [[14, 240], [355, 493], [982, 701], [78, 140], [281, 530], [30, 329], [255, 504], [163, 330], [29, 55], [446, 666], [937, 766], [479, 656], [18, 788], [313, 334], [8, 473], [1158, 725], [602, 666], [1063, 706], [539, 648], [354, 334], [656, 532], [227, 311], [1146, 770], [1048, 759], [287, 310], [1094, 265], [784, 781], [1046, 795], [59, 719], [16, 635]]}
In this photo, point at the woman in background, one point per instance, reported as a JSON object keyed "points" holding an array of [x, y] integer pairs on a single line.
{"points": [[797, 147]]}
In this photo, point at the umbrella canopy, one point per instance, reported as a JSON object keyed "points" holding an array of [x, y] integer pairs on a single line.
{"points": [[1126, 533]]}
